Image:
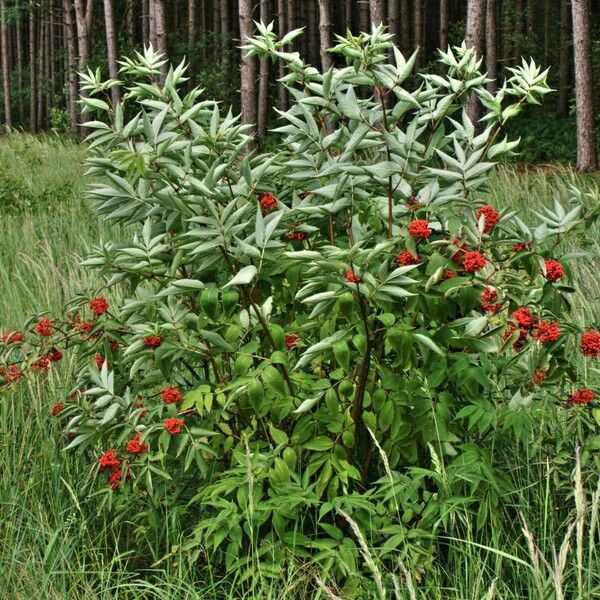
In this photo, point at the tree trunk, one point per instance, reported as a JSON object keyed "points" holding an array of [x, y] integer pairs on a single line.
{"points": [[393, 17], [32, 71], [248, 69], [19, 42], [111, 47], [491, 40], [263, 85], [376, 10], [418, 28], [225, 29], [72, 64], [145, 23], [5, 67], [564, 59], [89, 22], [406, 41], [364, 18], [192, 24], [161, 35], [325, 28], [152, 23], [130, 23], [587, 158], [40, 68], [474, 39], [282, 26], [444, 24]]}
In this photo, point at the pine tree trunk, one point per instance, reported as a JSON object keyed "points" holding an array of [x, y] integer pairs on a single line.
{"points": [[5, 66], [491, 40], [152, 24], [376, 10], [47, 54], [282, 27], [89, 22], [418, 28], [406, 40], [444, 24], [325, 28], [40, 68], [19, 43], [72, 64], [263, 84], [32, 71], [111, 47], [587, 158], [161, 35], [393, 17], [364, 18], [564, 59], [313, 34], [248, 69], [145, 23], [192, 25], [130, 23], [225, 29], [474, 39]]}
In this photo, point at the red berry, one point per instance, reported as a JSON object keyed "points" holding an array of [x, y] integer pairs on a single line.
{"points": [[174, 426], [590, 343], [419, 229], [44, 327], [546, 332], [109, 460], [406, 258], [473, 261], [135, 447], [12, 337], [268, 203], [291, 339], [171, 395], [57, 409], [554, 270], [351, 277], [582, 396], [491, 217], [99, 305], [152, 341]]}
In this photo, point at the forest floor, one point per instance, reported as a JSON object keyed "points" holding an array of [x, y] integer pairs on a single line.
{"points": [[54, 546]]}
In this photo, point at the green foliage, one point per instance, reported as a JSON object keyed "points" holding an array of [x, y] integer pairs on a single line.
{"points": [[328, 393]]}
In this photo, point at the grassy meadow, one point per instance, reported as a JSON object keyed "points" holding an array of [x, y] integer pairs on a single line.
{"points": [[54, 545]]}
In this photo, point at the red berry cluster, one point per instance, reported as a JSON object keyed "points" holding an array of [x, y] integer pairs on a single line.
{"points": [[291, 339], [351, 277], [546, 332], [473, 261], [489, 300], [268, 203], [521, 247], [539, 376], [590, 343], [12, 337], [490, 215], [134, 446], [99, 306], [109, 460], [419, 229], [554, 270], [582, 396], [406, 257], [174, 425], [296, 235], [171, 395], [152, 341], [44, 327]]}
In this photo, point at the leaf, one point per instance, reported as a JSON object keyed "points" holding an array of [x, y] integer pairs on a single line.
{"points": [[243, 276], [306, 405], [426, 341], [319, 444]]}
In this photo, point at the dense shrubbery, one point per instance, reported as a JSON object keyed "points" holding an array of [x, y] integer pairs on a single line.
{"points": [[304, 333]]}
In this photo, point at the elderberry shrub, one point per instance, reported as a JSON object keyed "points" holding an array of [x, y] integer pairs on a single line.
{"points": [[302, 333]]}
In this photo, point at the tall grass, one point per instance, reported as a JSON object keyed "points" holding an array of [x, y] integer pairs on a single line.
{"points": [[55, 545]]}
